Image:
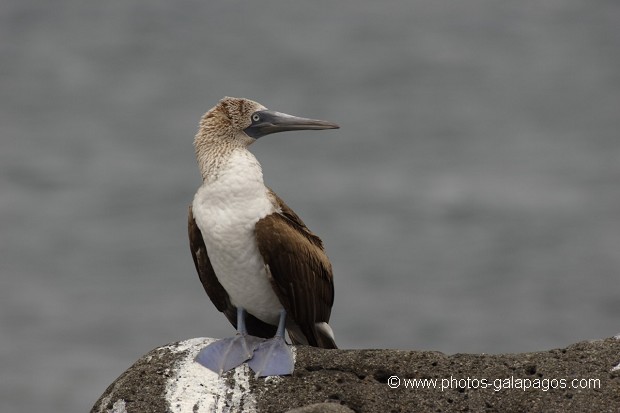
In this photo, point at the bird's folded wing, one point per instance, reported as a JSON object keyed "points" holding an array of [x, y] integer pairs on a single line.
{"points": [[300, 270]]}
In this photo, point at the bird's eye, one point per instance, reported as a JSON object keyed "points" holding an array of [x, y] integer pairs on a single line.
{"points": [[255, 117]]}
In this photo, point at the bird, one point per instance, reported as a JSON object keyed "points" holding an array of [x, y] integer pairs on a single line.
{"points": [[258, 262]]}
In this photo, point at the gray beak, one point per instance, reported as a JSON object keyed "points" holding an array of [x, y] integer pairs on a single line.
{"points": [[265, 122]]}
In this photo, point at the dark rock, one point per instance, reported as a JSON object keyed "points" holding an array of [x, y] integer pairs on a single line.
{"points": [[582, 377], [322, 408]]}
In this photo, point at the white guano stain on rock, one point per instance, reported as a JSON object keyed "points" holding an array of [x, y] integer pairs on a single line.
{"points": [[118, 407], [192, 388]]}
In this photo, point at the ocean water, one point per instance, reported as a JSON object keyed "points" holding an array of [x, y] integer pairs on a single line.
{"points": [[469, 202]]}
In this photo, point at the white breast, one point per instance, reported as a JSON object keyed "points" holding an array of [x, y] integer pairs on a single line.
{"points": [[226, 211]]}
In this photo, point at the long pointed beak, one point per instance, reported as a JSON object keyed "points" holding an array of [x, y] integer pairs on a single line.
{"points": [[265, 122]]}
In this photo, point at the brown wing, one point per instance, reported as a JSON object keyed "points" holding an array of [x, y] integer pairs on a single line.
{"points": [[301, 273], [212, 286]]}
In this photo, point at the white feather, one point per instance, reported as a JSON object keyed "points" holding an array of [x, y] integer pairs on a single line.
{"points": [[226, 211]]}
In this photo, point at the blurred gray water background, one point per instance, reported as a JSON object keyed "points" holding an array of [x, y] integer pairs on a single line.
{"points": [[469, 203]]}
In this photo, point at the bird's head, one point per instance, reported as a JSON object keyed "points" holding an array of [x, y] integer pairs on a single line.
{"points": [[238, 122], [244, 121]]}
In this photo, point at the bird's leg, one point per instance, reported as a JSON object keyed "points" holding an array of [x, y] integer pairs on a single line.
{"points": [[228, 353], [274, 357], [241, 329]]}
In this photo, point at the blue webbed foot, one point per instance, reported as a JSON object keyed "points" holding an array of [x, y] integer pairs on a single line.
{"points": [[228, 353], [272, 357]]}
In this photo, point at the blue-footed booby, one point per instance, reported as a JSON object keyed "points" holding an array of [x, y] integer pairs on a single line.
{"points": [[258, 262]]}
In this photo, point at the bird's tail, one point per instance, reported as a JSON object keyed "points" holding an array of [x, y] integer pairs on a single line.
{"points": [[323, 336]]}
